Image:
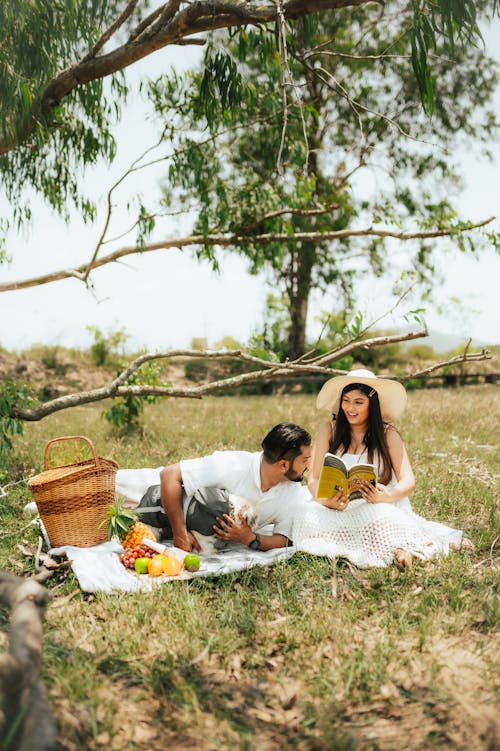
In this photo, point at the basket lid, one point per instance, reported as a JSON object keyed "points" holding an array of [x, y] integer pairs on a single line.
{"points": [[69, 471]]}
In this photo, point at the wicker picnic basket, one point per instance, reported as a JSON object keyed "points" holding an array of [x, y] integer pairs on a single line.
{"points": [[72, 499]]}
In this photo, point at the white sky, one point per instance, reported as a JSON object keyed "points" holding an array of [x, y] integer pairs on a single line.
{"points": [[164, 299]]}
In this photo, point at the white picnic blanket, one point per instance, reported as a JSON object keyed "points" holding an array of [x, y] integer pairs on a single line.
{"points": [[98, 568]]}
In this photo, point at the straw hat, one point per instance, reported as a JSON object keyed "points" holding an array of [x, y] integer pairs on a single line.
{"points": [[391, 394]]}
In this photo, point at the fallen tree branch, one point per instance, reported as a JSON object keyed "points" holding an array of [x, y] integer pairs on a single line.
{"points": [[27, 724], [351, 346], [267, 371], [224, 240], [457, 360]]}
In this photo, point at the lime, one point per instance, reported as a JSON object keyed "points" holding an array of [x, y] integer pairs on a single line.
{"points": [[192, 562], [141, 565]]}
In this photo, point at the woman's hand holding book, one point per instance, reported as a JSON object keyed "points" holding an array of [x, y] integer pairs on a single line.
{"points": [[337, 502], [378, 494]]}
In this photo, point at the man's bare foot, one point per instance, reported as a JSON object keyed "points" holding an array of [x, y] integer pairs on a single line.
{"points": [[403, 558]]}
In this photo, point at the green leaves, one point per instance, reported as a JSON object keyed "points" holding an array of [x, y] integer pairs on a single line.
{"points": [[422, 42], [355, 326], [450, 22], [220, 87], [125, 412], [39, 40], [11, 394]]}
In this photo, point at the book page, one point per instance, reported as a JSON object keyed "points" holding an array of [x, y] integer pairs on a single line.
{"points": [[333, 477], [361, 473]]}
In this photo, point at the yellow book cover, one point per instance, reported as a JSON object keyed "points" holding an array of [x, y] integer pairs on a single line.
{"points": [[336, 476]]}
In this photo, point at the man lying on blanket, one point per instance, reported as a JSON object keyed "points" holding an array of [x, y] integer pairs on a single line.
{"points": [[198, 495]]}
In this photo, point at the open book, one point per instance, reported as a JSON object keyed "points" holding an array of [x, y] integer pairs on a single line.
{"points": [[336, 476]]}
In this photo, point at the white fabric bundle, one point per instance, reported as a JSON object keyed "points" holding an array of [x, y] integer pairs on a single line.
{"points": [[368, 534]]}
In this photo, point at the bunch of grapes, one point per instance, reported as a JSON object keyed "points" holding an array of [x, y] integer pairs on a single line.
{"points": [[129, 557]]}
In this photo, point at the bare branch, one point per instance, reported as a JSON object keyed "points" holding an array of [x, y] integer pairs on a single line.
{"points": [[316, 52], [225, 241], [268, 371], [114, 27], [356, 105], [148, 21], [345, 349], [169, 10], [136, 165], [287, 80], [320, 211], [342, 348], [457, 360], [209, 354], [391, 310]]}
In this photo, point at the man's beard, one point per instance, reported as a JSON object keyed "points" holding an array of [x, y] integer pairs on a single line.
{"points": [[294, 476]]}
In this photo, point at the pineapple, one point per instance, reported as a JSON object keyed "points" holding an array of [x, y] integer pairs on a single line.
{"points": [[123, 523]]}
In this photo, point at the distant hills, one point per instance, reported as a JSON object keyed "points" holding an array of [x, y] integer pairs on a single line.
{"points": [[441, 342]]}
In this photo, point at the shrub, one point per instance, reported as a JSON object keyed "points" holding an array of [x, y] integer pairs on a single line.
{"points": [[106, 346], [11, 393]]}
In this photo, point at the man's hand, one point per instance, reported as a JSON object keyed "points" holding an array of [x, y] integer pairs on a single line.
{"points": [[235, 531], [187, 541]]}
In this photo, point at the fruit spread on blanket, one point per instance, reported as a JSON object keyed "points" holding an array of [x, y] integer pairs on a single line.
{"points": [[145, 560], [138, 556]]}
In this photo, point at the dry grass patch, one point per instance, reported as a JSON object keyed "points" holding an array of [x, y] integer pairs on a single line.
{"points": [[306, 655]]}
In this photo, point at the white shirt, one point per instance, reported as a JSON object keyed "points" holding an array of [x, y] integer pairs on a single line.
{"points": [[238, 472]]}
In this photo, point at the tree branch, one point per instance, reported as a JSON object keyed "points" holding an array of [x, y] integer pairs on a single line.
{"points": [[111, 30], [171, 23], [28, 721], [135, 166], [268, 371], [457, 360], [81, 272], [377, 341], [320, 211]]}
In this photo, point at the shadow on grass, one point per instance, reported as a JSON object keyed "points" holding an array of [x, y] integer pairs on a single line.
{"points": [[249, 708]]}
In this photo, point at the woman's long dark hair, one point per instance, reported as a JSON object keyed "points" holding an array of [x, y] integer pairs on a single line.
{"points": [[374, 437]]}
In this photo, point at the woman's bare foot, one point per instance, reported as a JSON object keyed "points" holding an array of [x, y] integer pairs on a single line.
{"points": [[403, 558], [464, 544]]}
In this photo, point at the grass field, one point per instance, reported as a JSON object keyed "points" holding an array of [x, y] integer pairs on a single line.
{"points": [[307, 654]]}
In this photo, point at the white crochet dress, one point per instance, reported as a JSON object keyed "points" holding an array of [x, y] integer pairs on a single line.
{"points": [[367, 534]]}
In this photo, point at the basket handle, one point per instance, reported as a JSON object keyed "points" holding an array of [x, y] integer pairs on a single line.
{"points": [[68, 438]]}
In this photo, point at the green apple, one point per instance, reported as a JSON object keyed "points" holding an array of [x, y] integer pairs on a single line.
{"points": [[192, 562], [141, 565]]}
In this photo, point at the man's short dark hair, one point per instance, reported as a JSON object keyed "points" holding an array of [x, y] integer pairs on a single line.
{"points": [[284, 441]]}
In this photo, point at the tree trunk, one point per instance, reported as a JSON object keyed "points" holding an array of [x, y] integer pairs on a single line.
{"points": [[304, 258], [298, 289]]}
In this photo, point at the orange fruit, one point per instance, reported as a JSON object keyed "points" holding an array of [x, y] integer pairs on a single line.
{"points": [[172, 566], [155, 566]]}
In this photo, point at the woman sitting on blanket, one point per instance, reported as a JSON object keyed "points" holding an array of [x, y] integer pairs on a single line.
{"points": [[381, 526]]}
